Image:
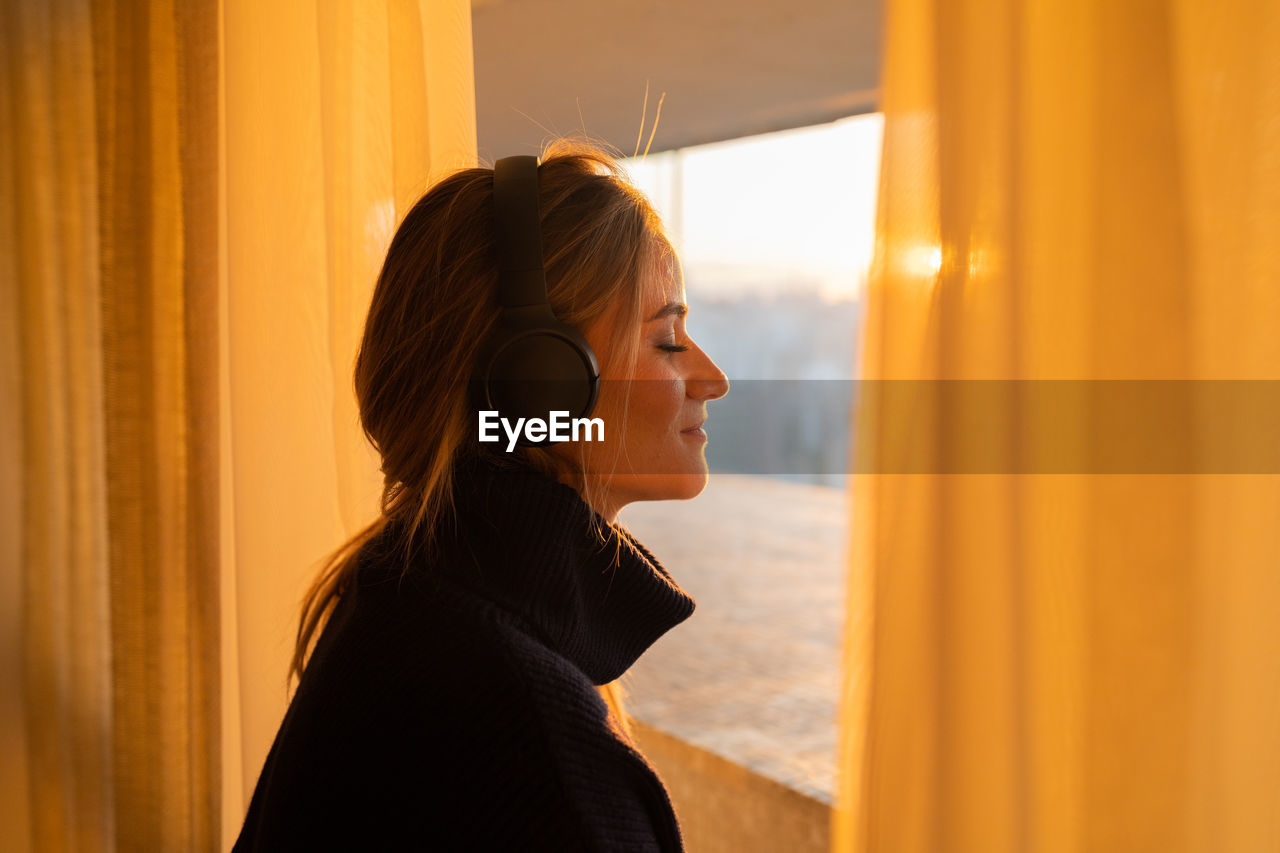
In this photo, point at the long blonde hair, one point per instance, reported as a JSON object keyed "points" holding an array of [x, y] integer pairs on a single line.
{"points": [[435, 304]]}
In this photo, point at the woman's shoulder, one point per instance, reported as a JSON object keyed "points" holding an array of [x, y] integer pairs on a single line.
{"points": [[419, 633], [412, 639], [404, 737], [427, 699]]}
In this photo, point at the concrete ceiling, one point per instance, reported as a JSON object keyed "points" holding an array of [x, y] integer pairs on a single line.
{"points": [[728, 68]]}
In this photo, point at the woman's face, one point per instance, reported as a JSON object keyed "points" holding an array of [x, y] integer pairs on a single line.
{"points": [[657, 450]]}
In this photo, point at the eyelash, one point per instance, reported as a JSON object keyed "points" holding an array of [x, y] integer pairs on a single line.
{"points": [[672, 348]]}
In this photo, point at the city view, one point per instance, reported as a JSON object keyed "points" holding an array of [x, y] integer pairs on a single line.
{"points": [[775, 234]]}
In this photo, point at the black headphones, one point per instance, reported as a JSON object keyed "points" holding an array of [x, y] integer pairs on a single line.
{"points": [[534, 364]]}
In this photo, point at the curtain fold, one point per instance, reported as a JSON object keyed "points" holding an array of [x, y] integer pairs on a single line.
{"points": [[117, 681], [1067, 660], [158, 433], [58, 664], [196, 198]]}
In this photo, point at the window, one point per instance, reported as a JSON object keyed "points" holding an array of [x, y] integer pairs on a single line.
{"points": [[775, 233]]}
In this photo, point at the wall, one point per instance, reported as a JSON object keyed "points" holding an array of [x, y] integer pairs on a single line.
{"points": [[723, 806]]}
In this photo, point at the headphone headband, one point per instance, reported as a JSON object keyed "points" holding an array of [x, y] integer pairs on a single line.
{"points": [[521, 278]]}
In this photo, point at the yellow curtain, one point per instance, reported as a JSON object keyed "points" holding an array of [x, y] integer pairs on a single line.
{"points": [[336, 118], [1072, 661], [195, 201]]}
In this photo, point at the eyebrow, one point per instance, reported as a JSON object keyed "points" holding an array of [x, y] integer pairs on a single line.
{"points": [[677, 308]]}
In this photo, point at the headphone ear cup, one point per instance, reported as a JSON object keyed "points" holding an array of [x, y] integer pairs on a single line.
{"points": [[535, 372]]}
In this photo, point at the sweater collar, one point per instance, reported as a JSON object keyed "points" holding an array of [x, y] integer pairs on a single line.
{"points": [[530, 545]]}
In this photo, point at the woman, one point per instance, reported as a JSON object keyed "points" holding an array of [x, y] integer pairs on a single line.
{"points": [[466, 642]]}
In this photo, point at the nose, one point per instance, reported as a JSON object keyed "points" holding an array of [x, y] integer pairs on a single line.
{"points": [[708, 381]]}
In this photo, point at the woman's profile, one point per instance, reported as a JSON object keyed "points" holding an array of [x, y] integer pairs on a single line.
{"points": [[456, 659]]}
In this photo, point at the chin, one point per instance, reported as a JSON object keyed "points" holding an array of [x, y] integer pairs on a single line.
{"points": [[663, 487], [683, 487]]}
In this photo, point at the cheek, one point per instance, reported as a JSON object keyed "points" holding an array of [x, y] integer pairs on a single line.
{"points": [[657, 404], [654, 406]]}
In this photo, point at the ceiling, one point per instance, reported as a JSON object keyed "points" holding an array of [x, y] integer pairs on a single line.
{"points": [[728, 69]]}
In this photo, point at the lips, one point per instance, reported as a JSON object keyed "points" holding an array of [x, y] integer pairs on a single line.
{"points": [[698, 425]]}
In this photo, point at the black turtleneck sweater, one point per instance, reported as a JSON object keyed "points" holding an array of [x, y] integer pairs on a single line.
{"points": [[452, 706]]}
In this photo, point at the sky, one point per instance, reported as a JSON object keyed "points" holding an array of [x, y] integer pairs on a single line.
{"points": [[773, 212]]}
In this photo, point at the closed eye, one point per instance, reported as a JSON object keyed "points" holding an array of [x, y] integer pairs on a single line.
{"points": [[672, 347]]}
